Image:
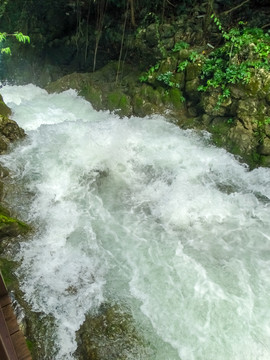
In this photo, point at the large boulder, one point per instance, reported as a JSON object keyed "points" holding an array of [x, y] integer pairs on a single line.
{"points": [[9, 129], [111, 335]]}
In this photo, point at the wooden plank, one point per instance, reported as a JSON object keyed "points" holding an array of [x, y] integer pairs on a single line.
{"points": [[20, 346], [6, 339], [5, 300], [10, 318]]}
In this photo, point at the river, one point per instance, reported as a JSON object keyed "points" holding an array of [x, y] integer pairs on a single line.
{"points": [[140, 212]]}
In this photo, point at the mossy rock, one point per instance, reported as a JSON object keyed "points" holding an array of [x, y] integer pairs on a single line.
{"points": [[235, 139], [265, 161], [9, 131], [264, 148], [74, 81], [3, 144], [120, 103], [110, 335], [168, 64], [176, 98], [184, 54], [254, 86], [8, 268], [93, 95], [191, 89], [151, 94], [143, 108], [11, 227], [193, 71], [138, 104], [4, 109]]}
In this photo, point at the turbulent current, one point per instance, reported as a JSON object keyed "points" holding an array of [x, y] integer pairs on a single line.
{"points": [[139, 212]]}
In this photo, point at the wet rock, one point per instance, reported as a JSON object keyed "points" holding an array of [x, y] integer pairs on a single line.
{"points": [[9, 129], [264, 149], [209, 104], [3, 144], [244, 138], [119, 103], [111, 335], [192, 71], [4, 109], [3, 172], [191, 89], [9, 132], [11, 227], [74, 81]]}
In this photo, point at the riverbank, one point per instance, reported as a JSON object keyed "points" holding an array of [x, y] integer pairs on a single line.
{"points": [[240, 124]]}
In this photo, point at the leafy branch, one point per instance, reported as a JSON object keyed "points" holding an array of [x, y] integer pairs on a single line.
{"points": [[20, 37]]}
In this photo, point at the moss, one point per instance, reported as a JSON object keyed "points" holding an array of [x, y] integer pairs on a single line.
{"points": [[137, 105], [123, 102], [114, 100], [30, 344], [93, 95], [12, 227], [6, 219], [7, 268], [4, 109], [176, 98], [4, 211], [151, 94], [166, 65], [117, 100], [264, 160], [253, 86], [193, 71]]}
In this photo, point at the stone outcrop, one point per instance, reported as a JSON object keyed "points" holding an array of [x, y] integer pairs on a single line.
{"points": [[9, 129], [111, 335]]}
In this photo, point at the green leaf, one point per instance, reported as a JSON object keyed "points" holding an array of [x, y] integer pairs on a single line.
{"points": [[22, 38], [6, 51]]}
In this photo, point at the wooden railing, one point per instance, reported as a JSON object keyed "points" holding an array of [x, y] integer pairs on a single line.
{"points": [[12, 342]]}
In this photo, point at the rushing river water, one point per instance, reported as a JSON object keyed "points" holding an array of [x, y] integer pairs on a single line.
{"points": [[137, 211]]}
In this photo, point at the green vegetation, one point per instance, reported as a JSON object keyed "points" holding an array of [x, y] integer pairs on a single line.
{"points": [[17, 35], [260, 132], [149, 73], [8, 268], [12, 227], [244, 51]]}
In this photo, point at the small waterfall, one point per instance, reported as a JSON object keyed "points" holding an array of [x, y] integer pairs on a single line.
{"points": [[138, 211]]}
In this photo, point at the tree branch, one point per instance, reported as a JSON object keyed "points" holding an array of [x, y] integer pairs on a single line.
{"points": [[234, 8]]}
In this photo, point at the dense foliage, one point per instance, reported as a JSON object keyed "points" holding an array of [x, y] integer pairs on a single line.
{"points": [[244, 50]]}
